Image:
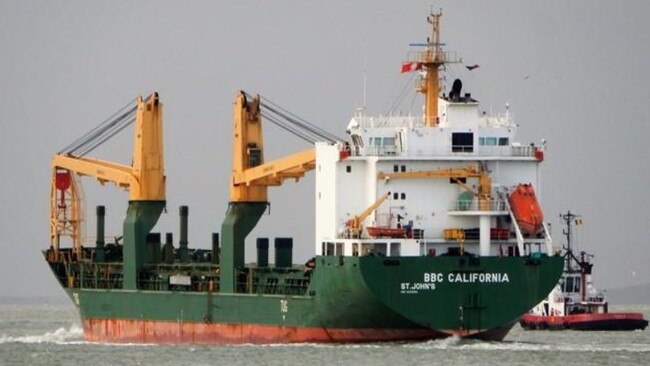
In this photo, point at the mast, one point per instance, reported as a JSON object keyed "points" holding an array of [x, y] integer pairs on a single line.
{"points": [[567, 219], [432, 58], [583, 263]]}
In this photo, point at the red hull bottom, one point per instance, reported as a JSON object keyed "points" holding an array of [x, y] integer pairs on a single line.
{"points": [[151, 331], [607, 321]]}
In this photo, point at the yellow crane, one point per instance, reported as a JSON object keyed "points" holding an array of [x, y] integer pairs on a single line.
{"points": [[251, 175], [250, 178], [354, 225], [144, 179], [456, 174]]}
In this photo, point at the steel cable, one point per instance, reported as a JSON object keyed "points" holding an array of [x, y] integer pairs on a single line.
{"points": [[292, 123], [105, 134], [97, 130]]}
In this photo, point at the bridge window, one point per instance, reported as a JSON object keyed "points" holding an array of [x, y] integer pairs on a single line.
{"points": [[382, 145], [382, 141], [572, 284], [462, 142], [493, 141]]}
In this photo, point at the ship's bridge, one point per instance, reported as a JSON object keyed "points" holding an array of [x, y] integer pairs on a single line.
{"points": [[461, 131]]}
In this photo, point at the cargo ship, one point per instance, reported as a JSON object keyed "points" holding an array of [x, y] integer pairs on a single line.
{"points": [[405, 211], [575, 303]]}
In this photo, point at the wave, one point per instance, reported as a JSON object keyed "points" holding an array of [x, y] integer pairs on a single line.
{"points": [[476, 345], [449, 342], [74, 334]]}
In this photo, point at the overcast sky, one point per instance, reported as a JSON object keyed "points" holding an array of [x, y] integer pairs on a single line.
{"points": [[574, 73]]}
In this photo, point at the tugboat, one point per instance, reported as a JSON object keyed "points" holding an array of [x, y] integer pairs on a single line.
{"points": [[575, 303]]}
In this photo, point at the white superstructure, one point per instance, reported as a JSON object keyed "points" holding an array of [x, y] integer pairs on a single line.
{"points": [[348, 182]]}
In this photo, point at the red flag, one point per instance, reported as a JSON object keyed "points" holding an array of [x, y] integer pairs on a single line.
{"points": [[408, 66]]}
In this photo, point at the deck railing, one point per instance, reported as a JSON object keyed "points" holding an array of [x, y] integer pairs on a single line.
{"points": [[474, 205]]}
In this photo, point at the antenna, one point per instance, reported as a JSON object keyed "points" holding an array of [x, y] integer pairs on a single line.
{"points": [[365, 88]]}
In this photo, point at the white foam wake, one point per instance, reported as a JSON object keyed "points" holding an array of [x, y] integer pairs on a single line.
{"points": [[72, 335], [476, 345]]}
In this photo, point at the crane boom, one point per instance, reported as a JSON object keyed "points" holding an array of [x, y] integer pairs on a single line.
{"points": [[485, 182], [354, 224], [144, 179], [275, 172], [103, 171]]}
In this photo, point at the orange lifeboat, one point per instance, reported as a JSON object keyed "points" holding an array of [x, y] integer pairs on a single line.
{"points": [[386, 232], [526, 209]]}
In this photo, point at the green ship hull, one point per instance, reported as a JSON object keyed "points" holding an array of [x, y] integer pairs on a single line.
{"points": [[336, 299], [375, 276]]}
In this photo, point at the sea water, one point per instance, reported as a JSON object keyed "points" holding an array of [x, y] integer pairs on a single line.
{"points": [[51, 335]]}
